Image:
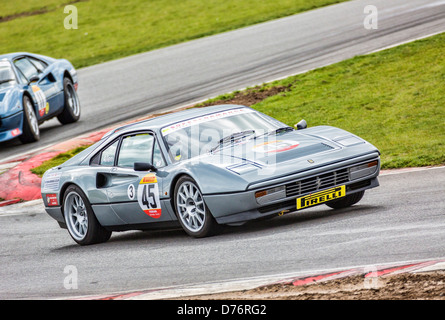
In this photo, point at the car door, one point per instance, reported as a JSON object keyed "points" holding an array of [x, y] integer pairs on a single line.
{"points": [[44, 89], [135, 195]]}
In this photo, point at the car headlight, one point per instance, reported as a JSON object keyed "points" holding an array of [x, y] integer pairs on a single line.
{"points": [[243, 168], [348, 141], [363, 170], [265, 196]]}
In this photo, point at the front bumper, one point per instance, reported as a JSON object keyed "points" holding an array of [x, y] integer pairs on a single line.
{"points": [[11, 127], [242, 206]]}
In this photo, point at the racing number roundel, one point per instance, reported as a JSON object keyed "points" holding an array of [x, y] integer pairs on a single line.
{"points": [[41, 100], [148, 196]]}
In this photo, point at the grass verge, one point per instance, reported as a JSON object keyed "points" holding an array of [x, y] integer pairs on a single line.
{"points": [[57, 160], [393, 98], [111, 29]]}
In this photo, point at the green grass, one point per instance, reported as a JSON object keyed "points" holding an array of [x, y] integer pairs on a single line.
{"points": [[111, 29], [395, 99], [11, 8], [57, 160]]}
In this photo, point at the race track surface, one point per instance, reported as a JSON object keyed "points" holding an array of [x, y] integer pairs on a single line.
{"points": [[402, 220]]}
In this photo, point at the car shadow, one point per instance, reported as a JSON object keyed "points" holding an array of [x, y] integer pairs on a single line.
{"points": [[171, 236], [299, 218]]}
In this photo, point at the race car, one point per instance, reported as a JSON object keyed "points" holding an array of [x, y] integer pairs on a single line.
{"points": [[206, 167], [33, 89]]}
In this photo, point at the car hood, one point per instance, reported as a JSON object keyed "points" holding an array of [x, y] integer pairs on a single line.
{"points": [[261, 159], [9, 100]]}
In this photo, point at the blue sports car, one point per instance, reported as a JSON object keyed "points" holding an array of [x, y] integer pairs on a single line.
{"points": [[33, 89]]}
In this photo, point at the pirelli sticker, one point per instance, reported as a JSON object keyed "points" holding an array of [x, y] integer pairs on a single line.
{"points": [[320, 197]]}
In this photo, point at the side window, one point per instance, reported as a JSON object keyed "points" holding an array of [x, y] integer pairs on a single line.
{"points": [[108, 155], [26, 67], [22, 77], [39, 64], [136, 148]]}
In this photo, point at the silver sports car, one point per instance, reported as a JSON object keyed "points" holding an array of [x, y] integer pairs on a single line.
{"points": [[206, 167]]}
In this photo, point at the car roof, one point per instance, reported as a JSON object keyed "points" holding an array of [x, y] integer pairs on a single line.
{"points": [[159, 122], [11, 56]]}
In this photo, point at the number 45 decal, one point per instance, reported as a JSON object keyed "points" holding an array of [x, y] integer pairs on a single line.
{"points": [[148, 196]]}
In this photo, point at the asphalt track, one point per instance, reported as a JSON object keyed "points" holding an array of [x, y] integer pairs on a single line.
{"points": [[402, 220], [196, 70]]}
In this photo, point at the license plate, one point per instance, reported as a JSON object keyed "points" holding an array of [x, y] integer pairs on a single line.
{"points": [[320, 197]]}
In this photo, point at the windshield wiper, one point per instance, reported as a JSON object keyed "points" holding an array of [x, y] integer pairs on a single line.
{"points": [[232, 138], [276, 131]]}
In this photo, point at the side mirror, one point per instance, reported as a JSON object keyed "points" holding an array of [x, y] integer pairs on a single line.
{"points": [[144, 166], [301, 125], [34, 79]]}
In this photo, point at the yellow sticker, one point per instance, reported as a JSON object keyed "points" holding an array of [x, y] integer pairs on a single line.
{"points": [[149, 178], [320, 197]]}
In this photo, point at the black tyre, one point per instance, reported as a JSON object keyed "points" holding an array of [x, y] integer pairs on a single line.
{"points": [[193, 214], [71, 111], [347, 201], [80, 220], [31, 131]]}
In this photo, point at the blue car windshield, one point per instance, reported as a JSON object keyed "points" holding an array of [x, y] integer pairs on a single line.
{"points": [[196, 136], [7, 75]]}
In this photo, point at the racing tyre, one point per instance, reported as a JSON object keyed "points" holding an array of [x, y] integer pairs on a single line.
{"points": [[71, 111], [347, 201], [193, 214], [80, 220], [31, 131]]}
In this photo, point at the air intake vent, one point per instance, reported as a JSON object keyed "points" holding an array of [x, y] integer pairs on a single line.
{"points": [[316, 183]]}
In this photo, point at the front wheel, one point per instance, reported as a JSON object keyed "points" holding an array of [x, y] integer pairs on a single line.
{"points": [[31, 131], [80, 220], [71, 110], [347, 201], [193, 214]]}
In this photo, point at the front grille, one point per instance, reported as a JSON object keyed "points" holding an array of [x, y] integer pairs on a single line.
{"points": [[320, 182], [276, 207]]}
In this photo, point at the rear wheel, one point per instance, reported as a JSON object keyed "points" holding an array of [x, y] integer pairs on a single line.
{"points": [[347, 201], [31, 131], [193, 214], [80, 220], [71, 111]]}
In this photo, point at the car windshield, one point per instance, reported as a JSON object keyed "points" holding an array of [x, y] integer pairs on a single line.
{"points": [[6, 74], [212, 132]]}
